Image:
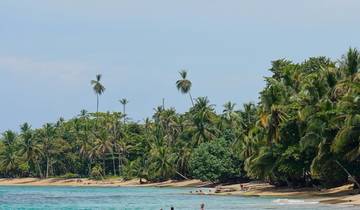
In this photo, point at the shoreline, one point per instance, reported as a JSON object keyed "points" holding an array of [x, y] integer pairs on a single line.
{"points": [[339, 195], [83, 182]]}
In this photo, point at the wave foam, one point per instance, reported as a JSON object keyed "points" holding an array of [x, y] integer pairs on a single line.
{"points": [[294, 202]]}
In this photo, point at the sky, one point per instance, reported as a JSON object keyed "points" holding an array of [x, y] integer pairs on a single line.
{"points": [[50, 50]]}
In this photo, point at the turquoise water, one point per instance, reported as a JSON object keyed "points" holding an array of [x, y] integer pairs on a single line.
{"points": [[138, 198]]}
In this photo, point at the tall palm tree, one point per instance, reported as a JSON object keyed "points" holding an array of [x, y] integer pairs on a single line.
{"points": [[98, 89], [29, 148], [124, 101], [47, 136], [184, 85]]}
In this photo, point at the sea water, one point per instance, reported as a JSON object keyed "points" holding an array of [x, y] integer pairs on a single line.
{"points": [[141, 198]]}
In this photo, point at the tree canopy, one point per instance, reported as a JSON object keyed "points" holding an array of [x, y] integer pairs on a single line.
{"points": [[305, 129]]}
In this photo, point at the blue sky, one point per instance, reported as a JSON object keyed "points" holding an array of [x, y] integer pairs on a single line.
{"points": [[50, 50]]}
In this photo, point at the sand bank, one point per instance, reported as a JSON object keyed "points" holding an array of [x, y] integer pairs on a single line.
{"points": [[101, 183], [339, 195]]}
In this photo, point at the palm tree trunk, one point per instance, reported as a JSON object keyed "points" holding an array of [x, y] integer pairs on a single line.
{"points": [[47, 167], [97, 103], [90, 163], [348, 173], [191, 98], [39, 170], [181, 175], [124, 109], [104, 165], [113, 161], [119, 163]]}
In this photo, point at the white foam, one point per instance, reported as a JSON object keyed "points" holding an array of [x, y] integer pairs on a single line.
{"points": [[294, 202]]}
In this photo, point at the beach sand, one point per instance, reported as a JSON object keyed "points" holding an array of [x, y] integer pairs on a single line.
{"points": [[101, 183], [340, 195]]}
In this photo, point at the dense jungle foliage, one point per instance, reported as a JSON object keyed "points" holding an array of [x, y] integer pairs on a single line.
{"points": [[304, 130]]}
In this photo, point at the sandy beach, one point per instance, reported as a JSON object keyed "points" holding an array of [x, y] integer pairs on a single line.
{"points": [[340, 195], [100, 183]]}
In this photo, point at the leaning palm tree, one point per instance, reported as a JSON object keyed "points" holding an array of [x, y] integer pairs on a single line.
{"points": [[98, 89], [124, 101], [184, 85]]}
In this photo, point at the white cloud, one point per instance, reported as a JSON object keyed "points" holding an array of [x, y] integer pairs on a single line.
{"points": [[63, 71]]}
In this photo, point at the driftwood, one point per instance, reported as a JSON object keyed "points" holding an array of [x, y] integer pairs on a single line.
{"points": [[352, 179], [224, 190]]}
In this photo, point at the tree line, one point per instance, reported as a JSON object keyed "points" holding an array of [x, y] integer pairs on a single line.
{"points": [[304, 131]]}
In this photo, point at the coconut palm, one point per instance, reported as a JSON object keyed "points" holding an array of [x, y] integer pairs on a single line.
{"points": [[103, 146], [230, 116], [29, 148], [124, 102], [351, 61], [203, 120], [46, 137], [162, 162], [184, 85], [8, 157], [98, 89]]}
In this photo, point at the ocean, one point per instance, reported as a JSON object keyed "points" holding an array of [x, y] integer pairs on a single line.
{"points": [[141, 198]]}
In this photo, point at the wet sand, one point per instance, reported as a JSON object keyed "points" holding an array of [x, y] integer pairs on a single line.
{"points": [[339, 195]]}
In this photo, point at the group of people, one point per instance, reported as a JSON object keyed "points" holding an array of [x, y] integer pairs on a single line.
{"points": [[202, 207], [200, 192]]}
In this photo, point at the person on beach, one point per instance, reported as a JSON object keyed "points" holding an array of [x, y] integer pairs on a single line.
{"points": [[202, 206]]}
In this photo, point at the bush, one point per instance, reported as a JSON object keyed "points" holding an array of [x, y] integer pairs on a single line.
{"points": [[70, 176], [23, 168], [213, 161], [97, 172]]}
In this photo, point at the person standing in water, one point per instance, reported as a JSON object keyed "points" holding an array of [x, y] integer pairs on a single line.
{"points": [[172, 208], [202, 206]]}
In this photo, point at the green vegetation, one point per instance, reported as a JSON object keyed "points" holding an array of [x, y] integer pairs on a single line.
{"points": [[213, 161], [305, 130]]}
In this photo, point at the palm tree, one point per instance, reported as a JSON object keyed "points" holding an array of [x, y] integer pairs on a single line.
{"points": [[162, 162], [203, 120], [230, 116], [122, 148], [351, 61], [29, 148], [98, 89], [184, 85], [8, 157], [102, 146], [124, 101], [47, 136]]}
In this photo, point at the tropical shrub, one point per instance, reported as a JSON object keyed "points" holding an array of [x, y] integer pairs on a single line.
{"points": [[97, 172], [212, 161]]}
